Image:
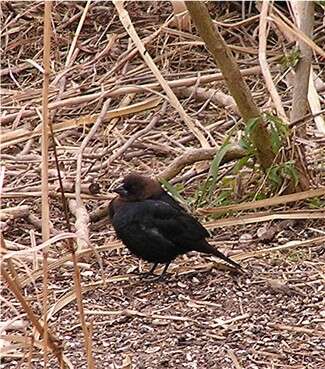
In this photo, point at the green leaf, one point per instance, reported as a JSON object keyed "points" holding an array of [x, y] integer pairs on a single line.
{"points": [[214, 168], [215, 165], [200, 194], [274, 176], [291, 59], [316, 203], [251, 125], [210, 183], [278, 124], [224, 198], [290, 170], [275, 140], [240, 164], [246, 143], [260, 196], [173, 191]]}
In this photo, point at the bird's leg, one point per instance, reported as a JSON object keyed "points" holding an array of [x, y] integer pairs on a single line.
{"points": [[150, 272], [165, 268], [163, 273], [153, 268], [154, 277]]}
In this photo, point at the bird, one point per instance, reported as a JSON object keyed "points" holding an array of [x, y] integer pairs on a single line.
{"points": [[154, 226]]}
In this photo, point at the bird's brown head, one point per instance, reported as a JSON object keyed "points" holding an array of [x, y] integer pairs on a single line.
{"points": [[136, 187]]}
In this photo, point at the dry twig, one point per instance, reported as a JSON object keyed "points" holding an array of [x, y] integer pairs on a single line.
{"points": [[126, 21]]}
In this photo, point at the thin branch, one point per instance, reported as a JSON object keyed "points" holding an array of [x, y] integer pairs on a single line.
{"points": [[45, 156], [295, 31], [194, 155], [132, 139], [237, 86], [126, 21], [85, 142], [74, 42], [264, 65], [115, 92], [305, 20]]}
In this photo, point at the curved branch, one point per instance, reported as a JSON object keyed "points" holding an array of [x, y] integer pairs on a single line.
{"points": [[194, 155]]}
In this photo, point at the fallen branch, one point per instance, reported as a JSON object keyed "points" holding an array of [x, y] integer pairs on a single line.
{"points": [[201, 94], [291, 328], [81, 224], [116, 92], [132, 139], [276, 200], [22, 134], [255, 218], [194, 155], [289, 245], [191, 124], [82, 218], [22, 195], [14, 212], [264, 65]]}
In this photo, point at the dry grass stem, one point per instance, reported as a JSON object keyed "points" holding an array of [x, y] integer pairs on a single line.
{"points": [[126, 21], [45, 176], [263, 62], [276, 200], [284, 22]]}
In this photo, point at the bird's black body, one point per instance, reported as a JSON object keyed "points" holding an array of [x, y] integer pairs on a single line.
{"points": [[153, 226]]}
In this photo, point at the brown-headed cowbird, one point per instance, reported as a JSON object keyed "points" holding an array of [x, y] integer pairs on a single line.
{"points": [[153, 226]]}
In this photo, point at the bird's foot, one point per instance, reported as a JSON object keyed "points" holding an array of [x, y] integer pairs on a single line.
{"points": [[147, 275], [151, 277]]}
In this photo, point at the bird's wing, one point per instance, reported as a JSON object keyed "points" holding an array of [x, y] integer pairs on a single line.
{"points": [[176, 225], [167, 198], [136, 225], [172, 223]]}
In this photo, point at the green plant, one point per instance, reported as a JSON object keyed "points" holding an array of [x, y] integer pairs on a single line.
{"points": [[174, 191], [279, 131], [246, 141], [278, 172], [213, 176], [316, 203], [291, 59], [226, 195]]}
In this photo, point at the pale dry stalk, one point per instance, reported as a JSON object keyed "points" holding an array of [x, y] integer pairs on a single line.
{"points": [[126, 21], [45, 175], [264, 65]]}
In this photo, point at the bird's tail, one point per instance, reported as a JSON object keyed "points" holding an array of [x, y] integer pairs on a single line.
{"points": [[208, 249]]}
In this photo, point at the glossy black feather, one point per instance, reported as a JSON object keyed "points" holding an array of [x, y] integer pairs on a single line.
{"points": [[154, 227]]}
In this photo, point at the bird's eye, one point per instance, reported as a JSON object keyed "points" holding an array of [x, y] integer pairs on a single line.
{"points": [[128, 187]]}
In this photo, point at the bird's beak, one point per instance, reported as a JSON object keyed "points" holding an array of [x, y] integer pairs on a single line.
{"points": [[120, 190]]}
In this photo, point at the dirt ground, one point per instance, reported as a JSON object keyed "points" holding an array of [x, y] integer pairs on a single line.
{"points": [[273, 317], [200, 316]]}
